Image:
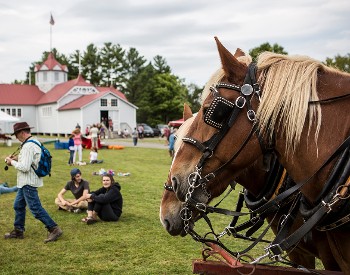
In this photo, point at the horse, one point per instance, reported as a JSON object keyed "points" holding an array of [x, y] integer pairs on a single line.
{"points": [[297, 108], [254, 176]]}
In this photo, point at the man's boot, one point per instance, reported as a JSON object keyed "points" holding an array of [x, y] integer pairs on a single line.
{"points": [[54, 234], [14, 234]]}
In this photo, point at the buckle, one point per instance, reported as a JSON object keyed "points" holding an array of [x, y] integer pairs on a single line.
{"points": [[251, 115], [274, 250], [201, 207], [240, 102]]}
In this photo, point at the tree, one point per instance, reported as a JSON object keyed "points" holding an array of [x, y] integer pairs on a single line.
{"points": [[275, 48], [194, 94], [340, 62], [112, 64], [162, 99], [90, 63], [160, 64], [133, 65]]}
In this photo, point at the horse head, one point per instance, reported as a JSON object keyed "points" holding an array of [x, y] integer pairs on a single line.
{"points": [[220, 137]]}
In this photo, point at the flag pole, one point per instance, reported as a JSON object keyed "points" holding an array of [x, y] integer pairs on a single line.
{"points": [[52, 22], [50, 38]]}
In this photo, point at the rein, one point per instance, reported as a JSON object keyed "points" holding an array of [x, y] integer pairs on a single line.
{"points": [[221, 115]]}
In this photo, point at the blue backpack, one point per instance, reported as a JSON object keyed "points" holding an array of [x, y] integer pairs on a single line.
{"points": [[44, 165]]}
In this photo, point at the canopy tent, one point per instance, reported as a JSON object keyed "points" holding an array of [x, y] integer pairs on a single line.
{"points": [[6, 122], [179, 122], [7, 118], [176, 123]]}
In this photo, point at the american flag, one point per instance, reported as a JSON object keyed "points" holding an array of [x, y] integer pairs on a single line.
{"points": [[52, 22]]}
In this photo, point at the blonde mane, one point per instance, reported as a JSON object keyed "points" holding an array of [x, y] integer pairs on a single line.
{"points": [[288, 84], [182, 132]]}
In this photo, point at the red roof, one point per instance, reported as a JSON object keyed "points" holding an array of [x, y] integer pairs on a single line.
{"points": [[17, 94], [50, 63], [81, 101], [61, 89], [113, 90], [84, 100]]}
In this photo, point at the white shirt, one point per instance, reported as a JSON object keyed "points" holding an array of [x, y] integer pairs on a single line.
{"points": [[29, 154], [94, 132], [93, 155]]}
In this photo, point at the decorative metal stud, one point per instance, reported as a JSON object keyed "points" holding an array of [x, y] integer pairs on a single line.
{"points": [[247, 89]]}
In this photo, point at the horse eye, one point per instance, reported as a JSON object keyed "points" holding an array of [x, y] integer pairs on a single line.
{"points": [[205, 110]]}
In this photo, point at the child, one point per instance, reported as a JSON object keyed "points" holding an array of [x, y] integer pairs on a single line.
{"points": [[71, 149], [93, 156]]}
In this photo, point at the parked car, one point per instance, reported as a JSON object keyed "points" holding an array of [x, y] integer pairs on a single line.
{"points": [[147, 130], [156, 132]]}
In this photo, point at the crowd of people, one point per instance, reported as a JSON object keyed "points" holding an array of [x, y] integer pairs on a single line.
{"points": [[103, 204]]}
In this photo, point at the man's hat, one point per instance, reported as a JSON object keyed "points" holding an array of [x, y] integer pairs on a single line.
{"points": [[20, 126]]}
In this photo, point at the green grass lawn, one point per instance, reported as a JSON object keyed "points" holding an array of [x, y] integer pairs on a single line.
{"points": [[136, 244]]}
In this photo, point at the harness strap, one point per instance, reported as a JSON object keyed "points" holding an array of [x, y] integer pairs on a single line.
{"points": [[329, 100], [277, 247], [295, 188], [238, 209]]}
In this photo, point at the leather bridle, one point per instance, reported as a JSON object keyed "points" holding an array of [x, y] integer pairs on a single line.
{"points": [[221, 114]]}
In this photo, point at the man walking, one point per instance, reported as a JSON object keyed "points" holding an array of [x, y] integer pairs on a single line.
{"points": [[27, 183]]}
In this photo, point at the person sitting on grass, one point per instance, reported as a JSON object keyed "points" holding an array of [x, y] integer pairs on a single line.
{"points": [[4, 188], [93, 156], [79, 188], [106, 202]]}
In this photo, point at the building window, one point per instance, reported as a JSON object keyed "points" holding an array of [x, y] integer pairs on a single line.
{"points": [[13, 112], [114, 102], [47, 111], [56, 76], [3, 110], [8, 111], [103, 102], [45, 76], [19, 112]]}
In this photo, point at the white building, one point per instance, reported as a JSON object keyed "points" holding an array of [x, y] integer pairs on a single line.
{"points": [[55, 106]]}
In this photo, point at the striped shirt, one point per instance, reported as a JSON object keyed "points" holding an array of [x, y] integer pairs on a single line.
{"points": [[29, 155]]}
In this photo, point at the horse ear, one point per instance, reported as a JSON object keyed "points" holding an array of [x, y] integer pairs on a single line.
{"points": [[239, 53], [234, 70], [187, 112]]}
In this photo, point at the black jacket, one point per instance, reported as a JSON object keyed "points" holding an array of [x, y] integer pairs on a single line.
{"points": [[111, 195]]}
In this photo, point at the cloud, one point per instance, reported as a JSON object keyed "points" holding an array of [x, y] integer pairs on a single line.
{"points": [[180, 31]]}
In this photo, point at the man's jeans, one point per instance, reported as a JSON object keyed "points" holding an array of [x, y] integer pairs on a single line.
{"points": [[28, 195]]}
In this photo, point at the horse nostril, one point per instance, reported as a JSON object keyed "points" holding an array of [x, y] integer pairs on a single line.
{"points": [[174, 182], [166, 224]]}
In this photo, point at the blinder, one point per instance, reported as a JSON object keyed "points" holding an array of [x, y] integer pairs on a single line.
{"points": [[218, 111]]}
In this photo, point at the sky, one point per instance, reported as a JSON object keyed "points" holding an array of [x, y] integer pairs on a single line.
{"points": [[181, 31]]}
